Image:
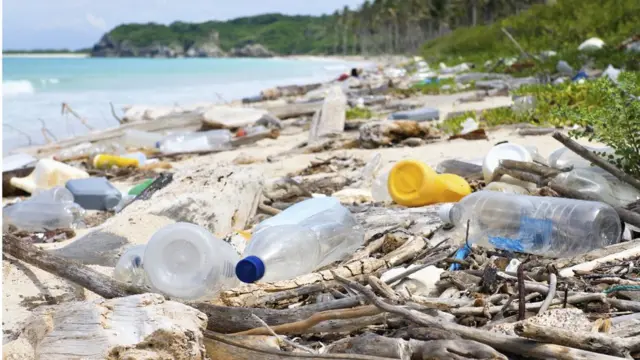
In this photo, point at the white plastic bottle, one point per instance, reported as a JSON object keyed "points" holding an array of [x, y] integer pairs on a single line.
{"points": [[185, 261], [547, 226], [198, 141], [304, 237]]}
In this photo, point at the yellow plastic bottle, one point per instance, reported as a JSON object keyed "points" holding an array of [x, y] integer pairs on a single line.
{"points": [[413, 183], [104, 161]]}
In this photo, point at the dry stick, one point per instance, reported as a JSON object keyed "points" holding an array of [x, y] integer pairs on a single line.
{"points": [[227, 340], [269, 210], [67, 108], [627, 216], [596, 342], [501, 342], [517, 174], [299, 327], [544, 171], [71, 270], [553, 282], [588, 155], [285, 340], [518, 45], [20, 131], [113, 112], [521, 294], [46, 131]]}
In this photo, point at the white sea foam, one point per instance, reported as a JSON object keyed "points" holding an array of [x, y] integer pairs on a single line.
{"points": [[17, 87]]}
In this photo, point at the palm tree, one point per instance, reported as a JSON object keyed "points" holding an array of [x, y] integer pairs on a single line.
{"points": [[345, 30], [335, 22]]}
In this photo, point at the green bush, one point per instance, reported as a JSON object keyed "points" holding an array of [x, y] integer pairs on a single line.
{"points": [[359, 113]]}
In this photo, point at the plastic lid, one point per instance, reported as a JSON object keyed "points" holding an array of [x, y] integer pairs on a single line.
{"points": [[406, 181], [444, 212], [250, 269], [505, 151]]}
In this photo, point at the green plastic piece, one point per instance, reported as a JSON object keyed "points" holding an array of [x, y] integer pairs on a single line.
{"points": [[136, 190]]}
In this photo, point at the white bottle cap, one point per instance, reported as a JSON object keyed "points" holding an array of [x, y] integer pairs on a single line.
{"points": [[444, 212]]}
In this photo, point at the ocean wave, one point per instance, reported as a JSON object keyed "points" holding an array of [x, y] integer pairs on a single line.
{"points": [[49, 81], [17, 87]]}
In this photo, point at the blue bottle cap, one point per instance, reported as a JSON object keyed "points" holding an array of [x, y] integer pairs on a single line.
{"points": [[250, 269]]}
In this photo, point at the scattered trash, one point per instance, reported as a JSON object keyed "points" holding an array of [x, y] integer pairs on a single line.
{"points": [[505, 151], [612, 73], [43, 215], [564, 68], [506, 188], [547, 226], [593, 43], [421, 114], [198, 141], [304, 237], [469, 125], [140, 139], [139, 188], [106, 161]]}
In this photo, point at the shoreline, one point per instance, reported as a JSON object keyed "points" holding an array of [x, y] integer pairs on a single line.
{"points": [[45, 55]]}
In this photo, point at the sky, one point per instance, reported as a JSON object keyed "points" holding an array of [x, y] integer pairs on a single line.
{"points": [[75, 24]]}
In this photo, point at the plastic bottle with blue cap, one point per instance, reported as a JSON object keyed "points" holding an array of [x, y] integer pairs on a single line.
{"points": [[546, 226], [299, 240], [181, 260]]}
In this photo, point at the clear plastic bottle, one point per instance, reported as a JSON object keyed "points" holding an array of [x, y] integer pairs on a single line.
{"points": [[598, 184], [42, 215], [304, 237], [129, 268], [198, 141], [547, 226], [140, 139], [563, 158], [56, 194], [186, 261]]}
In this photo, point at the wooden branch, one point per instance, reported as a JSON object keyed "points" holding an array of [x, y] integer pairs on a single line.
{"points": [[553, 283], [521, 294], [517, 174], [544, 171], [67, 109], [283, 339], [299, 327], [589, 341], [498, 341], [590, 265], [113, 112], [71, 270], [513, 40], [20, 131], [588, 155], [627, 216], [242, 351]]}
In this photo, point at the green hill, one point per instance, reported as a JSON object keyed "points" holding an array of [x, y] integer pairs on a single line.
{"points": [[279, 33]]}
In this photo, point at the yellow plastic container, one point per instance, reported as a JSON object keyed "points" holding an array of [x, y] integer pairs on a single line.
{"points": [[413, 183], [48, 173], [105, 161]]}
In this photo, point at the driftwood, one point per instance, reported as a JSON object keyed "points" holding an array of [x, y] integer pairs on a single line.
{"points": [[376, 134], [596, 342], [288, 111], [371, 344], [604, 164], [498, 341]]}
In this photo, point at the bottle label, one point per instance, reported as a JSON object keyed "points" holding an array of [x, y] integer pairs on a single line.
{"points": [[534, 235]]}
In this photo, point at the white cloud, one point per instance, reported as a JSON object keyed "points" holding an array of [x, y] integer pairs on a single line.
{"points": [[96, 21]]}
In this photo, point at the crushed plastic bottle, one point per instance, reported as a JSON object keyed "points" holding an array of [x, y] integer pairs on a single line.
{"points": [[182, 260], [198, 141], [598, 184], [563, 158], [303, 238], [546, 226], [42, 215]]}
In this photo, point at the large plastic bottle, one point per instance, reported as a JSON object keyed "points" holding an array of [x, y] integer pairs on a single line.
{"points": [[547, 226], [198, 141], [304, 237], [182, 260], [94, 193], [140, 139], [599, 185]]}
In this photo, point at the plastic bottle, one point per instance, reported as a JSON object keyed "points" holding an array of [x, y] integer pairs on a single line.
{"points": [[140, 139], [142, 158], [94, 193], [139, 188], [547, 226], [413, 183], [198, 141], [598, 184], [129, 268], [42, 215], [306, 236], [380, 188], [421, 114], [186, 261], [47, 174], [105, 161], [56, 194], [563, 158]]}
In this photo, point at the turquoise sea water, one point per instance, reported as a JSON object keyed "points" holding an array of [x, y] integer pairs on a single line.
{"points": [[35, 88]]}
